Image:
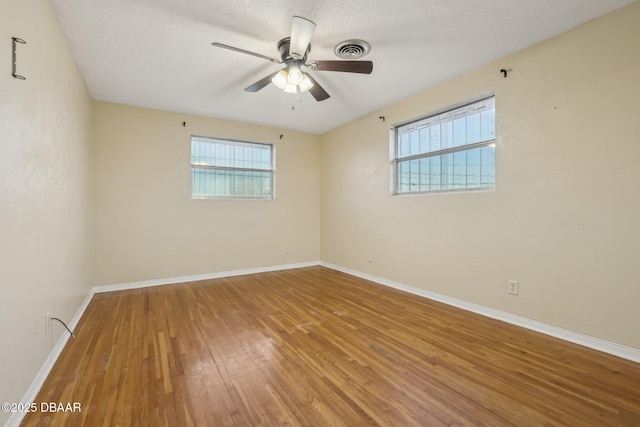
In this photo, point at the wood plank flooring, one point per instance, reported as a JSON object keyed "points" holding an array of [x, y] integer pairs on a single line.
{"points": [[316, 347]]}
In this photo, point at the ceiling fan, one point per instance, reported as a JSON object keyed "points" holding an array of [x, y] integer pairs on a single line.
{"points": [[293, 53]]}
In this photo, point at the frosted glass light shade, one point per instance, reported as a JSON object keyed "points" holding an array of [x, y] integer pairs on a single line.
{"points": [[291, 88], [295, 75], [280, 79], [305, 84]]}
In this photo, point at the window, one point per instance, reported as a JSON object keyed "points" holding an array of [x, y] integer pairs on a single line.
{"points": [[234, 169], [448, 151]]}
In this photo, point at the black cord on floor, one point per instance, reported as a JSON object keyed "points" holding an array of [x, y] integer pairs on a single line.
{"points": [[65, 325]]}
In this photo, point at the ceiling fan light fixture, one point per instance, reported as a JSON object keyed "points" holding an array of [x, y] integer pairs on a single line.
{"points": [[280, 79], [300, 82]]}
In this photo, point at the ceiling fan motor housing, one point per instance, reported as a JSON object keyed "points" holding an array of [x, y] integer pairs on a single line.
{"points": [[283, 49]]}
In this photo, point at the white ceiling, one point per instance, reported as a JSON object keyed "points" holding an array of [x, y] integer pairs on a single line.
{"points": [[158, 53]]}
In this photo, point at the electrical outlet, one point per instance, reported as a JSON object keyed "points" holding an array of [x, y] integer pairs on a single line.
{"points": [[513, 287], [370, 258], [47, 322]]}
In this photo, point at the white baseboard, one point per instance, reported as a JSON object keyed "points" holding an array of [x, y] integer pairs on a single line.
{"points": [[30, 396], [615, 349], [198, 277]]}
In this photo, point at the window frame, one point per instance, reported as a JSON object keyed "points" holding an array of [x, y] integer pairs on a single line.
{"points": [[394, 149], [271, 170]]}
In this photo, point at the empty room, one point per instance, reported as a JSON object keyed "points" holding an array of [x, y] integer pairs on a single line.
{"points": [[414, 213]]}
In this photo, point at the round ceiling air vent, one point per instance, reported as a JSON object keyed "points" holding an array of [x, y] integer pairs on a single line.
{"points": [[352, 49]]}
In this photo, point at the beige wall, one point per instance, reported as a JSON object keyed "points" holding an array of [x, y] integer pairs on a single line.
{"points": [[563, 219], [146, 224], [45, 215]]}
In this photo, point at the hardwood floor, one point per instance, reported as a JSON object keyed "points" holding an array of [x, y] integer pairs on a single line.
{"points": [[316, 347]]}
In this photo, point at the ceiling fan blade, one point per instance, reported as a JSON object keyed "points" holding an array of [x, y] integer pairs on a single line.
{"points": [[363, 67], [317, 91], [237, 49], [301, 31], [261, 83]]}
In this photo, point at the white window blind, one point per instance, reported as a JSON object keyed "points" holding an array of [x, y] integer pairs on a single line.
{"points": [[234, 169], [447, 151]]}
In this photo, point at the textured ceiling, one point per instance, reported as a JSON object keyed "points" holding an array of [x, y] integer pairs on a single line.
{"points": [[158, 53]]}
